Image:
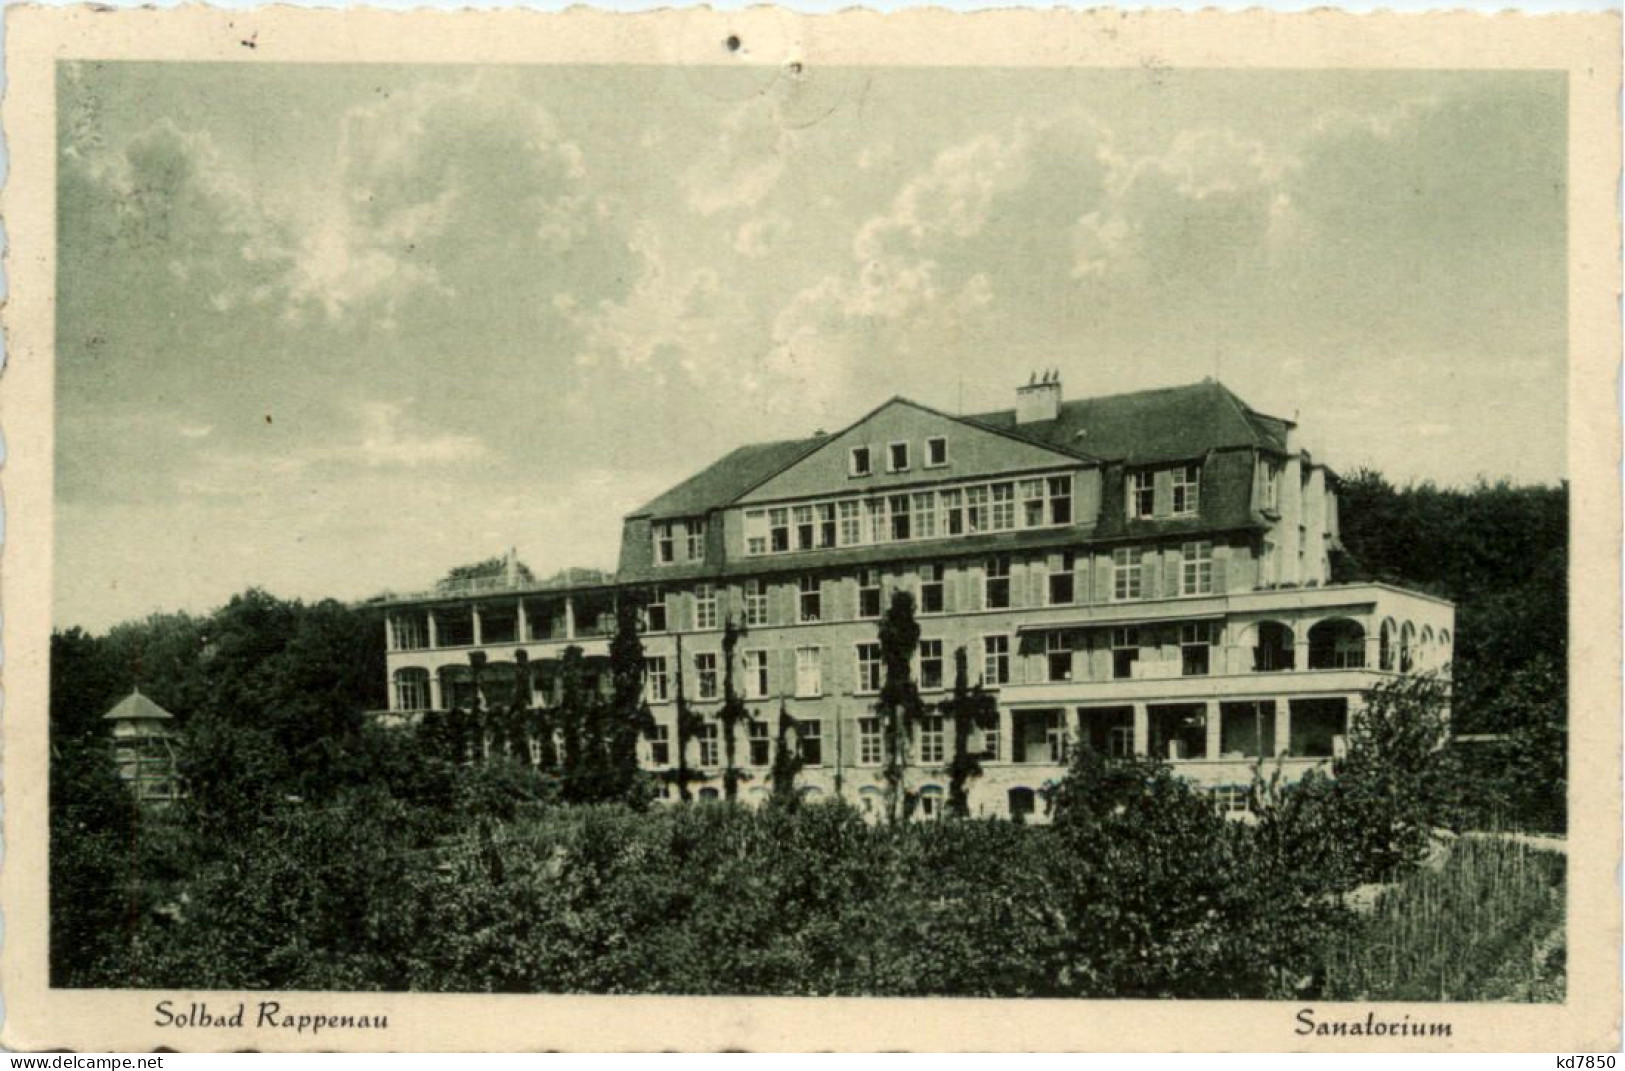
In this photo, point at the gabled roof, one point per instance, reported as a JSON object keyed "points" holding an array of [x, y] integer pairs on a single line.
{"points": [[1137, 428], [1151, 425], [729, 477], [137, 707]]}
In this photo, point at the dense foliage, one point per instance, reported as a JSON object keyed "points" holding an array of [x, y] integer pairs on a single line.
{"points": [[472, 854]]}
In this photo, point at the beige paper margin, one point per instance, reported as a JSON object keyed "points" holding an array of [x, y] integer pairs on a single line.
{"points": [[1584, 45]]}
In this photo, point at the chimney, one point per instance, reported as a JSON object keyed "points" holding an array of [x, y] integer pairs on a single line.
{"points": [[1040, 399]]}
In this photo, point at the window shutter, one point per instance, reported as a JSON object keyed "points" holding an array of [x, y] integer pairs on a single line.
{"points": [[971, 587], [1150, 576], [951, 579], [1170, 562], [1037, 575], [1238, 568], [1164, 486]]}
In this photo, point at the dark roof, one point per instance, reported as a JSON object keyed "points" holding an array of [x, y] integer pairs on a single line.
{"points": [[1137, 428], [137, 707], [1150, 425], [729, 477]]}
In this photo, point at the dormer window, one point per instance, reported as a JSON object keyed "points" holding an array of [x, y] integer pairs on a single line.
{"points": [[861, 464], [1142, 495], [897, 457], [1187, 490], [936, 452], [665, 543]]}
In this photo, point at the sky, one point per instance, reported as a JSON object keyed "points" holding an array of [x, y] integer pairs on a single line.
{"points": [[332, 330]]}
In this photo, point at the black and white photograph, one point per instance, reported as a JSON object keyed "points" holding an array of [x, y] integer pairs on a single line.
{"points": [[779, 528]]}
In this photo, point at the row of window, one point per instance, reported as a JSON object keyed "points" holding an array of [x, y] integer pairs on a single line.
{"points": [[860, 460], [756, 679], [1195, 578], [1000, 506], [687, 535], [1185, 492]]}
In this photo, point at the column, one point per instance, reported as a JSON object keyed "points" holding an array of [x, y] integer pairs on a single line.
{"points": [[1283, 726], [434, 634], [434, 691], [1007, 735], [1142, 730], [474, 615], [1373, 644], [569, 617], [523, 627], [1210, 716], [1300, 648]]}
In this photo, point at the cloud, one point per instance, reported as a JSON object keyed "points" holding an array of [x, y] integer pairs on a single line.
{"points": [[387, 439], [761, 235], [747, 159]]}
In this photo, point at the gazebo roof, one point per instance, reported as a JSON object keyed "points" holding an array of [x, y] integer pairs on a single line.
{"points": [[137, 707]]}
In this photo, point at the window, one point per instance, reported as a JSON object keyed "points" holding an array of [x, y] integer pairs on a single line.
{"points": [[806, 531], [705, 606], [931, 739], [1187, 490], [1230, 799], [1196, 575], [1004, 507], [901, 529], [756, 531], [869, 742], [930, 664], [660, 745], [1125, 573], [811, 732], [1125, 652], [978, 518], [990, 740], [707, 736], [809, 672], [925, 515], [407, 633], [953, 512], [1269, 492], [1194, 650], [705, 665], [696, 540], [869, 667], [931, 802], [760, 746], [755, 602], [1142, 495], [656, 685], [778, 530], [868, 593], [1055, 737], [931, 589], [411, 689], [654, 615], [826, 525], [936, 452], [995, 660], [665, 543], [851, 523], [998, 583], [1032, 503], [897, 457], [811, 599], [860, 464], [1060, 499], [1062, 586], [1120, 741], [1058, 655], [755, 675], [875, 510]]}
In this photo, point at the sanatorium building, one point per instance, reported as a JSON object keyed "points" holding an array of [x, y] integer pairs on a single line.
{"points": [[1146, 573]]}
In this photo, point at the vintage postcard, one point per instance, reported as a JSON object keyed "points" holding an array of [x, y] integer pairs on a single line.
{"points": [[718, 530]]}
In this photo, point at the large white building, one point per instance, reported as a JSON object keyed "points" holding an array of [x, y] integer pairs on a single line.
{"points": [[1146, 573]]}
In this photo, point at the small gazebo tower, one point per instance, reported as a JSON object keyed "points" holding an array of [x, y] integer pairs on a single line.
{"points": [[144, 749]]}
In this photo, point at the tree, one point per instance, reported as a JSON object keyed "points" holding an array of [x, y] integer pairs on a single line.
{"points": [[573, 700], [629, 716], [969, 709], [787, 761], [486, 570], [733, 709], [688, 724], [517, 727], [899, 707]]}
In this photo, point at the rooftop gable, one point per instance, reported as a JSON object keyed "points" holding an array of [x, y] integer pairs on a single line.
{"points": [[137, 707]]}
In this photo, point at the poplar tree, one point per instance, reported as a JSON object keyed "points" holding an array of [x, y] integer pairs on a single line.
{"points": [[733, 709], [629, 717], [787, 760], [899, 708], [968, 709]]}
